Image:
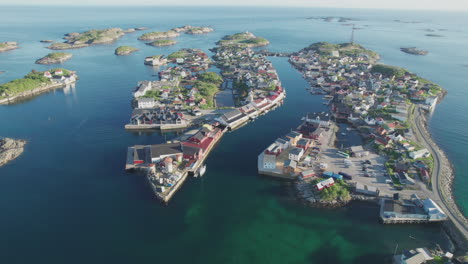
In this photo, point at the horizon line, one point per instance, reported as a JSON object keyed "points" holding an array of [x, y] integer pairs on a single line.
{"points": [[230, 5]]}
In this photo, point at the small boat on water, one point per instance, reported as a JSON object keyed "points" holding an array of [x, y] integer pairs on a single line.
{"points": [[202, 170], [343, 133]]}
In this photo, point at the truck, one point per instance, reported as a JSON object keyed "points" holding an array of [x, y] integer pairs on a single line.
{"points": [[346, 175]]}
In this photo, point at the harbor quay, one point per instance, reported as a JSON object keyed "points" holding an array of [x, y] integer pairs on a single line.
{"points": [[166, 166]]}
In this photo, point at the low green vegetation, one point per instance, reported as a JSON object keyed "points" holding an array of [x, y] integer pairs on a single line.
{"points": [[57, 55], [340, 190], [388, 71], [208, 85], [122, 50], [211, 77], [177, 55], [96, 36], [153, 94], [158, 35], [163, 42], [243, 39], [348, 49], [32, 80]]}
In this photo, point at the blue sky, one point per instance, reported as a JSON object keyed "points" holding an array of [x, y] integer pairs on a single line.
{"points": [[385, 4]]}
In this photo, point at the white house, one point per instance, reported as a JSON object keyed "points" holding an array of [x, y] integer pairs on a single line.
{"points": [[146, 102], [269, 162], [433, 210], [431, 101], [296, 154], [142, 88], [422, 153]]}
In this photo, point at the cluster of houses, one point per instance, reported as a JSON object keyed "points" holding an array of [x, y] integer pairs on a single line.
{"points": [[259, 80], [167, 102], [194, 60], [58, 76], [367, 98], [296, 149], [169, 163]]}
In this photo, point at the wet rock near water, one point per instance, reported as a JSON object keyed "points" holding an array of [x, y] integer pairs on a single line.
{"points": [[10, 149]]}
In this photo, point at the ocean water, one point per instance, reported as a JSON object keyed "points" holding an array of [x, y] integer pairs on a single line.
{"points": [[67, 199]]}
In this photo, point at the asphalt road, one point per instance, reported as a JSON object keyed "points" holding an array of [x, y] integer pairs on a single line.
{"points": [[437, 195]]}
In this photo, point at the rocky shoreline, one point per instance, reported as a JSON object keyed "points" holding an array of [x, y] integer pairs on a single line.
{"points": [[10, 149], [77, 40], [162, 43], [9, 45], [124, 50], [447, 176], [54, 58], [414, 51], [158, 35]]}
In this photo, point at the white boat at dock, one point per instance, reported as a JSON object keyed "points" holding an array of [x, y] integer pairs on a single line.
{"points": [[202, 171]]}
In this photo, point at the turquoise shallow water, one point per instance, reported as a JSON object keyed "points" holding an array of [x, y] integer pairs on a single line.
{"points": [[67, 198]]}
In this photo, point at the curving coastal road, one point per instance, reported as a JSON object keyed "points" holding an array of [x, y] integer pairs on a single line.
{"points": [[441, 172]]}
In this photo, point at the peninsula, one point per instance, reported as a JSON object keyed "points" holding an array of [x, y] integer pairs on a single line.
{"points": [[162, 43], [54, 58], [124, 50], [92, 37], [386, 106], [414, 51], [159, 35], [9, 45], [34, 83], [245, 39], [187, 29], [10, 149], [185, 96]]}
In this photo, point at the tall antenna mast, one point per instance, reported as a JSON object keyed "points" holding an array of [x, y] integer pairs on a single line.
{"points": [[352, 34]]}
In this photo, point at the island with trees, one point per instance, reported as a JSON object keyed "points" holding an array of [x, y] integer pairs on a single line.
{"points": [[9, 45], [125, 50], [34, 83], [54, 58]]}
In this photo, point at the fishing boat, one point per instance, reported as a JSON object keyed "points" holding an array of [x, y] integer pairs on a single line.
{"points": [[343, 133]]}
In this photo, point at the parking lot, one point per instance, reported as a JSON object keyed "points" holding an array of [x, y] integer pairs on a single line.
{"points": [[373, 175]]}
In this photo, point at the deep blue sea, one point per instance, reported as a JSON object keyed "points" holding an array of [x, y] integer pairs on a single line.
{"points": [[67, 199]]}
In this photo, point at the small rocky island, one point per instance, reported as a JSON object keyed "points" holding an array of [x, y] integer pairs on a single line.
{"points": [[245, 39], [92, 37], [54, 58], [10, 149], [46, 41], [191, 30], [125, 50], [434, 35], [414, 51], [162, 43], [9, 45], [158, 35]]}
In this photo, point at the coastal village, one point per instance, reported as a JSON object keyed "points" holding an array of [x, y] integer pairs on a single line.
{"points": [[184, 96], [378, 102], [381, 103]]}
